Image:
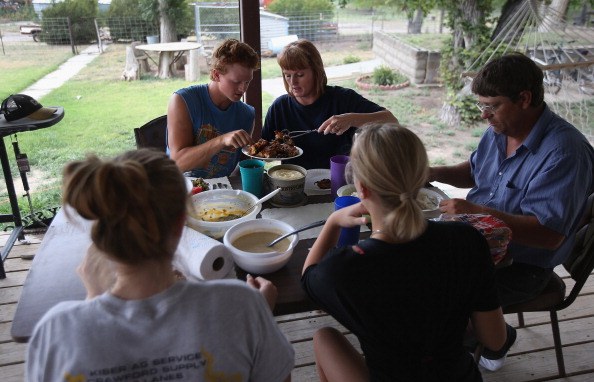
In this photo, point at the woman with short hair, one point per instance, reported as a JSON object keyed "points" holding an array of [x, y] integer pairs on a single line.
{"points": [[312, 104]]}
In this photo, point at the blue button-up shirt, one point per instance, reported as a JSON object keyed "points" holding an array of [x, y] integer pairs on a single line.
{"points": [[549, 177]]}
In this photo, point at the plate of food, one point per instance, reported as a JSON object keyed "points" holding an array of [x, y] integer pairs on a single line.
{"points": [[281, 147], [317, 181], [196, 185], [283, 156]]}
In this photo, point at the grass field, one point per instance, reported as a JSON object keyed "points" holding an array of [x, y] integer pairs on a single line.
{"points": [[21, 66]]}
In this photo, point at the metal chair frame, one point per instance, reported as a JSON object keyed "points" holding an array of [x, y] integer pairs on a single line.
{"points": [[579, 265]]}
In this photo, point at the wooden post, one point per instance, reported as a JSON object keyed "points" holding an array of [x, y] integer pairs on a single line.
{"points": [[193, 70], [98, 36], [71, 37], [249, 16]]}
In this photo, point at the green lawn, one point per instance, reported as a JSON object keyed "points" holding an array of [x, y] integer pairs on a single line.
{"points": [[21, 66]]}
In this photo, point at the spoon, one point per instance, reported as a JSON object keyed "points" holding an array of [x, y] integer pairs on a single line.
{"points": [[262, 200], [305, 227]]}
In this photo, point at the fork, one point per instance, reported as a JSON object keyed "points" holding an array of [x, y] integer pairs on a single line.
{"points": [[298, 133], [219, 186]]}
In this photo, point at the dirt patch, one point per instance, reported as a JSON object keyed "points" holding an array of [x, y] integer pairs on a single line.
{"points": [[445, 144]]}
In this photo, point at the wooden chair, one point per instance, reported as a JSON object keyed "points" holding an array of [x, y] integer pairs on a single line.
{"points": [[579, 265], [152, 134]]}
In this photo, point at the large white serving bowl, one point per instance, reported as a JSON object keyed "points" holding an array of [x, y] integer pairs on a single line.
{"points": [[231, 199], [260, 263]]}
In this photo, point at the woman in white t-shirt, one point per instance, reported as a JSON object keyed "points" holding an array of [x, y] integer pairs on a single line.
{"points": [[149, 325]]}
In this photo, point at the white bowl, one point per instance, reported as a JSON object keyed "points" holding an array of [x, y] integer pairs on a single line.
{"points": [[233, 199], [347, 190], [260, 263], [429, 201]]}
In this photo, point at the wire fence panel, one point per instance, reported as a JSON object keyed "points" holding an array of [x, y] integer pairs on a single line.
{"points": [[126, 29], [213, 24], [25, 35]]}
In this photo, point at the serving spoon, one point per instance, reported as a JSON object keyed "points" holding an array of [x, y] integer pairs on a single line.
{"points": [[305, 227], [262, 200]]}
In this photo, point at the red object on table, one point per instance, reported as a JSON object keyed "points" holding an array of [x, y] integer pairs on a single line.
{"points": [[497, 233]]}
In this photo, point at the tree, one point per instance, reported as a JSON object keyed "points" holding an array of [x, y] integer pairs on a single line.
{"points": [[467, 19], [510, 8], [415, 11], [169, 15]]}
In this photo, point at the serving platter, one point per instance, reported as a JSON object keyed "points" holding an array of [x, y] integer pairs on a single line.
{"points": [[245, 151]]}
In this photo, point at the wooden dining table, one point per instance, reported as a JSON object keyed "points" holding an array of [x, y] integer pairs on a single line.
{"points": [[169, 54]]}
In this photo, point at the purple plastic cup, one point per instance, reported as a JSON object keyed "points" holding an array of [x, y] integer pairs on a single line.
{"points": [[348, 236], [337, 166]]}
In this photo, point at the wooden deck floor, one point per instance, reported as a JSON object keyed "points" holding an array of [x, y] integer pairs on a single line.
{"points": [[532, 358]]}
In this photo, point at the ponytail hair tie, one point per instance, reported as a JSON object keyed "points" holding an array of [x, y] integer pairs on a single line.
{"points": [[404, 196]]}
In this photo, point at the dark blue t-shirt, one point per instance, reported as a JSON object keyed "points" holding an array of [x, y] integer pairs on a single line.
{"points": [[286, 113]]}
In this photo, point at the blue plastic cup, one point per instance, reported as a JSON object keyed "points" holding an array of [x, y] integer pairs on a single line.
{"points": [[251, 171], [348, 236]]}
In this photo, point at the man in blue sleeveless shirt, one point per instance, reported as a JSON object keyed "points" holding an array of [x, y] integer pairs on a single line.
{"points": [[207, 124]]}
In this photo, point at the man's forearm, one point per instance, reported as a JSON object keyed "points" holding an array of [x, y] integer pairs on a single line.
{"points": [[199, 156], [457, 175]]}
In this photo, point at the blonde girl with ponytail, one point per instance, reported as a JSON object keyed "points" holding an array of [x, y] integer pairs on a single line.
{"points": [[409, 291]]}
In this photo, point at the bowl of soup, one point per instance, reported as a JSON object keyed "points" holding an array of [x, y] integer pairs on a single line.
{"points": [[214, 212], [290, 179], [247, 243]]}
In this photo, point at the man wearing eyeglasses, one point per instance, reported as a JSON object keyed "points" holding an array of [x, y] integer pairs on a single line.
{"points": [[532, 169]]}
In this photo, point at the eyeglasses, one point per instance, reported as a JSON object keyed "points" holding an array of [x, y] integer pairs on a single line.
{"points": [[489, 109]]}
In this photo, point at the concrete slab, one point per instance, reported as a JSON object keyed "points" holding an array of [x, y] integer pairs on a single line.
{"points": [[65, 72]]}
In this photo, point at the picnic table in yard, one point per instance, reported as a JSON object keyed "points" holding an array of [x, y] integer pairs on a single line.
{"points": [[169, 54]]}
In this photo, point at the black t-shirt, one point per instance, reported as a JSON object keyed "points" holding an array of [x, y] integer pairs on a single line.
{"points": [[409, 304], [286, 113]]}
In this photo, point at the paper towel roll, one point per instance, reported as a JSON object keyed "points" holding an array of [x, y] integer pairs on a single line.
{"points": [[200, 257]]}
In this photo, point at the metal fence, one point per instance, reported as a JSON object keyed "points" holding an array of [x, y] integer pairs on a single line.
{"points": [[212, 25]]}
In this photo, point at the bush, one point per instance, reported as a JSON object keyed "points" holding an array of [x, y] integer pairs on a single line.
{"points": [[350, 59], [18, 12], [81, 14], [306, 17], [384, 75]]}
